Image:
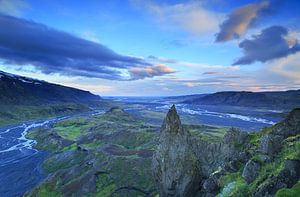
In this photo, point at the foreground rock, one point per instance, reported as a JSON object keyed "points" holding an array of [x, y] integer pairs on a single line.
{"points": [[226, 154], [251, 171], [257, 164], [290, 126], [175, 166], [271, 142], [285, 179]]}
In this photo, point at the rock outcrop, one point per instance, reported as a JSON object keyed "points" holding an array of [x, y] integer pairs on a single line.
{"points": [[225, 154], [235, 137], [186, 166], [289, 176], [183, 166], [271, 142], [290, 126], [251, 171], [175, 166]]}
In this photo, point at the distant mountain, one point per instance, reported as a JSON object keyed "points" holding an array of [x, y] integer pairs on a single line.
{"points": [[284, 99], [182, 98], [23, 99], [19, 90]]}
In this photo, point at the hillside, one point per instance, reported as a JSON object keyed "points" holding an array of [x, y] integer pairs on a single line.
{"points": [[182, 98], [285, 99], [19, 90], [24, 99]]}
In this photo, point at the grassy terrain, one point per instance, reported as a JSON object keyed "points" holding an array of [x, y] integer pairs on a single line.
{"points": [[110, 155], [233, 184], [113, 151], [12, 114], [17, 113], [293, 192], [207, 132]]}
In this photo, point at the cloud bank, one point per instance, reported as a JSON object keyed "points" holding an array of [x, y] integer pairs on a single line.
{"points": [[150, 71], [240, 20], [271, 43], [24, 42]]}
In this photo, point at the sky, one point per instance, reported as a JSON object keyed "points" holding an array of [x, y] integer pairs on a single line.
{"points": [[153, 47]]}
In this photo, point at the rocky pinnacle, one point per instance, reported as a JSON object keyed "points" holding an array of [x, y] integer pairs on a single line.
{"points": [[172, 123], [175, 166]]}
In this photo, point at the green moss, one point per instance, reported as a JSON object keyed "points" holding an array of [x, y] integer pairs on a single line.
{"points": [[70, 132], [292, 192], [134, 140], [52, 164], [290, 150], [69, 148], [254, 138], [234, 185], [45, 190], [105, 185], [207, 132], [71, 129], [48, 192], [228, 178]]}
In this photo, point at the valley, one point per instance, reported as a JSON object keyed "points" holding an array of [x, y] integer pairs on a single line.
{"points": [[149, 98], [106, 147]]}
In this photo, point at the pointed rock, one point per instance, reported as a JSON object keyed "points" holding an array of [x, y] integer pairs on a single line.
{"points": [[172, 123], [175, 165]]}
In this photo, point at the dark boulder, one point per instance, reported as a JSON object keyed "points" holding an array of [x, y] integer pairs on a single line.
{"points": [[232, 165], [235, 136], [269, 146], [212, 184], [251, 171]]}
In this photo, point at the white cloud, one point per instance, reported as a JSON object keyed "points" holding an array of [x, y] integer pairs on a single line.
{"points": [[191, 17], [288, 68], [13, 7]]}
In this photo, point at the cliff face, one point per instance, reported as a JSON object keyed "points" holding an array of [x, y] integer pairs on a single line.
{"points": [[175, 165], [256, 164]]}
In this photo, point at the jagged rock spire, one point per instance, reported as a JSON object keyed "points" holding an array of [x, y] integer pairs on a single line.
{"points": [[175, 166], [172, 123]]}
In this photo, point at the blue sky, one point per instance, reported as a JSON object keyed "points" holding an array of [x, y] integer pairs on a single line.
{"points": [[150, 48]]}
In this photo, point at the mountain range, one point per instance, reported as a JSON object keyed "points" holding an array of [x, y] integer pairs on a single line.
{"points": [[280, 99]]}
